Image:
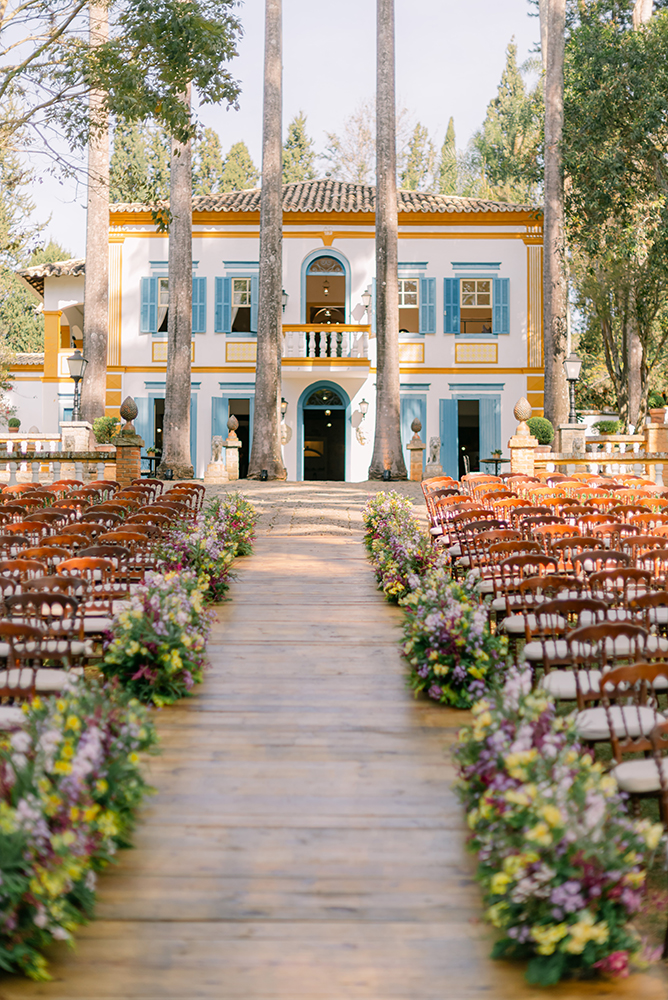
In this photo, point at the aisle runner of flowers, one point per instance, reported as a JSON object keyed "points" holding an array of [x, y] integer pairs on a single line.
{"points": [[70, 780], [561, 864], [450, 651]]}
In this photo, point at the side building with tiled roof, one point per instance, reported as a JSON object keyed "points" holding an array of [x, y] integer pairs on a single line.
{"points": [[470, 323]]}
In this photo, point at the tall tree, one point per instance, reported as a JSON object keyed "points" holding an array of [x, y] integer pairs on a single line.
{"points": [[176, 427], [555, 293], [447, 167], [509, 141], [140, 163], [96, 283], [419, 168], [266, 447], [387, 453], [298, 152], [208, 164], [239, 171], [351, 156]]}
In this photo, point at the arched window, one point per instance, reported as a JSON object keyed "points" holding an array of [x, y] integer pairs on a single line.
{"points": [[324, 397], [326, 291]]}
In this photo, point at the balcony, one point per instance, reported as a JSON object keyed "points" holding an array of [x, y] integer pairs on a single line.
{"points": [[334, 347]]}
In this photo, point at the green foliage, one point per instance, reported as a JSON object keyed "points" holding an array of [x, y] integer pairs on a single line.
{"points": [[239, 171], [298, 152], [508, 146], [447, 167], [656, 398], [208, 167], [104, 428], [542, 429], [139, 168], [420, 159], [14, 422], [608, 427], [21, 319]]}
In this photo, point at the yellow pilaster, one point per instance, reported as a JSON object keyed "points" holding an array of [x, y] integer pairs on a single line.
{"points": [[51, 342], [115, 276], [534, 306]]}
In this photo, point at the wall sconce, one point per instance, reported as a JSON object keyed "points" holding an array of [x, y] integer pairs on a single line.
{"points": [[366, 299], [77, 365], [284, 298], [363, 407], [325, 287], [284, 407]]}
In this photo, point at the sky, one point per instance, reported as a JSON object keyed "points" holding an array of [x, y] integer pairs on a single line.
{"points": [[449, 54]]}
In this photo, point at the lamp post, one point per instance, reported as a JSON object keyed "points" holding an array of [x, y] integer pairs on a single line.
{"points": [[76, 364], [572, 366], [366, 300]]}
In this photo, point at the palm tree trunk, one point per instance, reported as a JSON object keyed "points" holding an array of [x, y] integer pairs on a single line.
{"points": [[96, 284], [266, 447], [555, 289], [387, 453], [176, 427]]}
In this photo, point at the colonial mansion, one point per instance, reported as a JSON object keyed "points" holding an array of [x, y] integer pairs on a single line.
{"points": [[470, 324]]}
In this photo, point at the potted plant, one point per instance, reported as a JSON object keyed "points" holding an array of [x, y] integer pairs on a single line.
{"points": [[13, 424], [608, 427], [656, 405], [150, 451], [496, 453], [541, 428]]}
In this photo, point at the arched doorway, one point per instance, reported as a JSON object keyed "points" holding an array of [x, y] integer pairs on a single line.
{"points": [[323, 409], [325, 291]]}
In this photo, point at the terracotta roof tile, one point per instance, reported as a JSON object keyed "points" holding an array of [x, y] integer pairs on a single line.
{"points": [[337, 196], [56, 269]]}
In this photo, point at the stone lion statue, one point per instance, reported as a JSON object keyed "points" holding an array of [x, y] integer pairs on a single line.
{"points": [[434, 449], [216, 448]]}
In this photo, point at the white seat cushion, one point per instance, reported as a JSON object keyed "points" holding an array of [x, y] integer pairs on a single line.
{"points": [[486, 587], [16, 679], [631, 720], [438, 530], [455, 550], [48, 679], [499, 604], [638, 776], [554, 649], [11, 717], [464, 561], [658, 616], [561, 684], [611, 615]]}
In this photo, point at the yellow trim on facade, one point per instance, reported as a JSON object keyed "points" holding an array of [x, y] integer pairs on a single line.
{"points": [[477, 353], [534, 305], [325, 362], [51, 341], [535, 383], [115, 303], [533, 219]]}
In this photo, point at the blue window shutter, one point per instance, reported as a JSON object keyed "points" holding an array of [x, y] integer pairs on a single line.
{"points": [[501, 313], [490, 425], [149, 305], [218, 305], [193, 432], [255, 291], [451, 305], [373, 305], [141, 421], [411, 407], [219, 416], [449, 434], [227, 305], [427, 305], [199, 305]]}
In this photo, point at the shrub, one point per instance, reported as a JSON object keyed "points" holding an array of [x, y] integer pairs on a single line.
{"points": [[157, 649], [14, 422], [104, 429], [542, 429], [656, 398], [561, 864], [608, 426], [70, 785]]}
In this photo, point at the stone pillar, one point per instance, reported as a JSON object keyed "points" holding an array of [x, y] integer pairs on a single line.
{"points": [[128, 446], [522, 444], [571, 438], [215, 470], [232, 445], [416, 447], [656, 439], [77, 435], [433, 467]]}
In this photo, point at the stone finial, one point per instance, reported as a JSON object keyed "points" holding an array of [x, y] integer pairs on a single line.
{"points": [[232, 423], [522, 412], [416, 426], [129, 411]]}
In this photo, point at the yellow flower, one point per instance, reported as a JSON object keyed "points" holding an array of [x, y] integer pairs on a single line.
{"points": [[133, 758], [74, 814], [102, 786], [517, 797], [586, 929], [635, 879], [499, 883], [547, 937], [551, 815], [540, 833], [473, 818], [651, 833], [61, 705], [67, 751], [495, 914], [90, 813], [515, 863], [62, 767], [36, 703]]}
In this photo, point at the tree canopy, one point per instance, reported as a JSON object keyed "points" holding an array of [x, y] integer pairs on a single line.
{"points": [[298, 152]]}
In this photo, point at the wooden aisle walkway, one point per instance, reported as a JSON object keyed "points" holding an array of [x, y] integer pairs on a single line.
{"points": [[305, 842]]}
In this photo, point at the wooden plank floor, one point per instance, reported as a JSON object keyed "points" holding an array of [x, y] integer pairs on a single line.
{"points": [[305, 842]]}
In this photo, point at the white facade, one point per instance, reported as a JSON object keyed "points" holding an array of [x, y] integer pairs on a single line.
{"points": [[459, 370]]}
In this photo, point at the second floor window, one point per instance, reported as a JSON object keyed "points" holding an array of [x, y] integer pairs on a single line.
{"points": [[154, 314], [476, 305], [409, 305], [241, 305]]}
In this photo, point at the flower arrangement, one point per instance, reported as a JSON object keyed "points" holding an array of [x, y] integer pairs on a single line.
{"points": [[208, 546], [401, 554], [70, 784], [561, 863], [157, 651], [451, 653]]}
